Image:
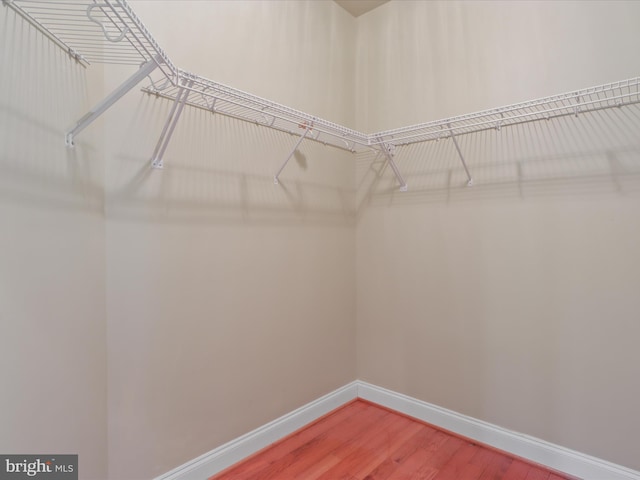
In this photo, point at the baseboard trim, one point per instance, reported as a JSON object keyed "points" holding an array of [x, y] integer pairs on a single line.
{"points": [[232, 452], [524, 446]]}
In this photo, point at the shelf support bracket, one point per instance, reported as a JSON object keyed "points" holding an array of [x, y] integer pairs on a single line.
{"points": [[170, 124], [307, 129], [389, 151], [116, 95], [464, 164]]}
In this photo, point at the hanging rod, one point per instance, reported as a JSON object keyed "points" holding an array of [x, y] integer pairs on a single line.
{"points": [[108, 31], [611, 95], [218, 98]]}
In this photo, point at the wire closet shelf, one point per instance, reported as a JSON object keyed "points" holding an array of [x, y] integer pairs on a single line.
{"points": [[91, 31], [108, 31], [215, 97], [611, 95]]}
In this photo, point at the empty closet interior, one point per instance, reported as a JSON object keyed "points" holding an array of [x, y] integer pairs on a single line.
{"points": [[216, 212]]}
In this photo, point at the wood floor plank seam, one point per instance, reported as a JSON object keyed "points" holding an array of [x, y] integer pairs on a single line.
{"points": [[365, 441]]}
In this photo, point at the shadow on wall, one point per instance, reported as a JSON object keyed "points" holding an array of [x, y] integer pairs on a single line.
{"points": [[42, 92], [595, 153], [221, 170], [217, 169]]}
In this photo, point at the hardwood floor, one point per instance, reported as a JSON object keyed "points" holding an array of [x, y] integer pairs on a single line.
{"points": [[363, 441]]}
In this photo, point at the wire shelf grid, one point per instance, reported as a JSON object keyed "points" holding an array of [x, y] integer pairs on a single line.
{"points": [[92, 31], [611, 95], [218, 98], [108, 31]]}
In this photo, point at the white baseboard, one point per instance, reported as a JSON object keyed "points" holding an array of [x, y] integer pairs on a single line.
{"points": [[531, 448], [524, 446], [226, 455]]}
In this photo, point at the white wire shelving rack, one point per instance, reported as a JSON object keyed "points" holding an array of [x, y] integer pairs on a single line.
{"points": [[108, 31], [92, 31], [218, 98], [611, 95], [205, 94]]}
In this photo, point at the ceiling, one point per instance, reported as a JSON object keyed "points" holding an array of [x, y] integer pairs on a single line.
{"points": [[358, 7]]}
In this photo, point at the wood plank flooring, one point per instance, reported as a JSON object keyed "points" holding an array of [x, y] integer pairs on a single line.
{"points": [[363, 441]]}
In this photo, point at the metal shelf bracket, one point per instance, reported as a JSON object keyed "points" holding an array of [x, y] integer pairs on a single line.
{"points": [[464, 164], [116, 95], [170, 124], [389, 151], [307, 128]]}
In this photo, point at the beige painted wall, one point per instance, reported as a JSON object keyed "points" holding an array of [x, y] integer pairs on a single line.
{"points": [[52, 257], [230, 300], [514, 301], [421, 61]]}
